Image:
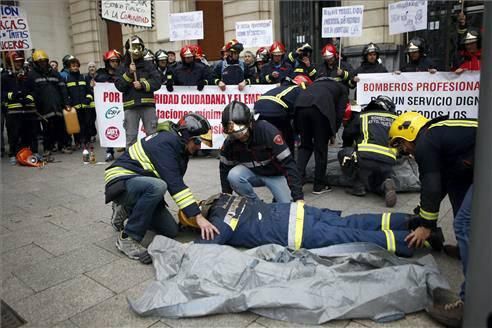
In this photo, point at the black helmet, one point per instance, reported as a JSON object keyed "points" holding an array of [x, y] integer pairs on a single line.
{"points": [[471, 36], [381, 102], [371, 47], [306, 49], [236, 117], [135, 46], [161, 55], [66, 59], [416, 44], [193, 125]]}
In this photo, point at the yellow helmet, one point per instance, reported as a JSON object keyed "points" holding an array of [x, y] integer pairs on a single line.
{"points": [[187, 222], [406, 126], [39, 55]]}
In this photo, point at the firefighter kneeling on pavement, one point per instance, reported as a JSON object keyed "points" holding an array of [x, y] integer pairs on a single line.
{"points": [[369, 163], [137, 181]]}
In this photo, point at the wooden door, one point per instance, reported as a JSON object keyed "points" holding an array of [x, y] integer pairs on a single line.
{"points": [[115, 37], [213, 27]]}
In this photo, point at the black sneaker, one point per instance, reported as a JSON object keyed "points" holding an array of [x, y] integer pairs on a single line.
{"points": [[318, 190]]}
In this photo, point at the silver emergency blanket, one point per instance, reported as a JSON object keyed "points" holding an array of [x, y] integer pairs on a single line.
{"points": [[342, 282]]}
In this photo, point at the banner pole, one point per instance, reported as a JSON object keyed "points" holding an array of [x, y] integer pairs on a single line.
{"points": [[340, 54], [131, 57]]}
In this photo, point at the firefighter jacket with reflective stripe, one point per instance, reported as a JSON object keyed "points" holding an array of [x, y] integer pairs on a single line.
{"points": [[323, 70], [160, 155], [79, 91], [190, 74], [299, 67], [367, 68], [265, 153], [149, 78], [444, 153], [370, 131], [251, 223], [284, 69], [278, 102], [231, 72], [49, 91], [15, 94], [423, 64], [166, 74]]}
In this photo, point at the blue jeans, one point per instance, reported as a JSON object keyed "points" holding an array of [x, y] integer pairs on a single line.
{"points": [[144, 201], [461, 224], [243, 181]]}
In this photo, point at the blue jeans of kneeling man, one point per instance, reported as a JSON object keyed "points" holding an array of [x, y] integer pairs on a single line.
{"points": [[144, 201], [243, 181]]}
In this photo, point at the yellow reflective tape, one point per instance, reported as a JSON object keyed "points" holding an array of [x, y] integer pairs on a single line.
{"points": [[390, 241], [428, 215], [184, 198], [286, 91], [461, 123], [267, 78], [233, 223], [372, 148], [114, 172], [30, 97], [384, 222], [365, 129], [187, 203], [312, 72], [82, 83], [298, 70], [291, 57], [345, 75], [147, 84], [10, 95], [128, 103], [71, 84], [89, 96], [127, 78], [178, 195], [274, 99], [16, 105], [299, 224], [147, 100]]}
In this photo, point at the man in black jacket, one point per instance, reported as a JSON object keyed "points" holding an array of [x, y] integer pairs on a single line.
{"points": [[370, 63], [319, 114], [342, 72], [50, 94], [254, 154], [138, 80], [417, 58]]}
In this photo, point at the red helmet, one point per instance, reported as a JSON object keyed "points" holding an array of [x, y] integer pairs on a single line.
{"points": [[186, 51], [329, 51], [277, 48], [26, 158], [197, 50], [112, 54], [15, 55], [347, 115], [301, 78]]}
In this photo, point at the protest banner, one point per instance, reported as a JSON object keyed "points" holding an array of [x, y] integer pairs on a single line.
{"points": [[255, 33], [186, 26], [14, 29], [342, 21], [170, 106], [432, 95], [407, 16], [130, 12]]}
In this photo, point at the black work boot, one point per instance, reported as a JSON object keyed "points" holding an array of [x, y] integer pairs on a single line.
{"points": [[452, 251], [389, 189], [436, 239], [358, 189]]}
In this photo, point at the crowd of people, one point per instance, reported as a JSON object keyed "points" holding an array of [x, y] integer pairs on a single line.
{"points": [[308, 103]]}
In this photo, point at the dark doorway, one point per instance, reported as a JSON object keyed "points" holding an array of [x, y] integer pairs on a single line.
{"points": [[213, 28], [115, 37]]}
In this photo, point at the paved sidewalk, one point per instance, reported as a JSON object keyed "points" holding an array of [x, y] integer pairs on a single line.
{"points": [[60, 268]]}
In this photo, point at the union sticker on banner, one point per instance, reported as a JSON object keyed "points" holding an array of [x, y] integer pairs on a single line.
{"points": [[14, 29], [131, 12], [109, 115], [342, 21], [255, 33], [407, 16], [186, 26], [432, 95]]}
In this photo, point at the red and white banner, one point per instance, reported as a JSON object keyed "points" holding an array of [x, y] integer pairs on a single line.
{"points": [[170, 106], [432, 95]]}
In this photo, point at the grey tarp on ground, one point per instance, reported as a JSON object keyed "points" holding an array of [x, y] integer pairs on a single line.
{"points": [[196, 280], [405, 172]]}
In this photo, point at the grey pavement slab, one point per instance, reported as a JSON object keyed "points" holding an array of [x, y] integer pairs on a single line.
{"points": [[122, 274], [412, 320], [24, 219], [65, 324], [234, 320], [22, 256], [266, 322], [61, 302], [64, 242], [13, 289], [52, 272]]}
